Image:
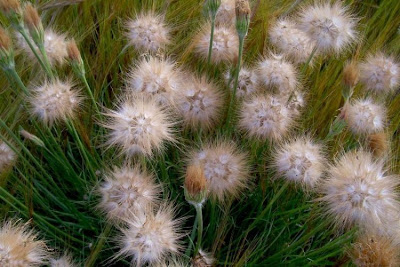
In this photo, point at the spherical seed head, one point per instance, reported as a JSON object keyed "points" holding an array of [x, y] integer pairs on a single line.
{"points": [[248, 83], [55, 101], [148, 32], [226, 13], [150, 236], [199, 103], [225, 43], [300, 161], [374, 251], [378, 143], [379, 73], [225, 168], [277, 73], [125, 191], [155, 78], [357, 191], [330, 26], [363, 116], [265, 117], [139, 126], [7, 157], [54, 45], [65, 260], [19, 246], [351, 74], [291, 41]]}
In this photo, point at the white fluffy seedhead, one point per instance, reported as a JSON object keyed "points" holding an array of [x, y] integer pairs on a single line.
{"points": [[125, 191], [226, 13], [358, 192], [225, 43], [300, 161], [200, 103], [248, 83], [55, 46], [20, 247], [65, 260], [379, 73], [291, 41], [295, 102], [330, 26], [157, 78], [55, 101], [225, 168], [363, 116], [139, 126], [265, 117], [7, 157], [148, 32], [277, 73], [150, 236]]}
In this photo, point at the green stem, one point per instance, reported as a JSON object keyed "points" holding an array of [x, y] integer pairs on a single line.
{"points": [[199, 215], [89, 91], [99, 245], [211, 40], [46, 61], [13, 73], [303, 70], [235, 85], [192, 237]]}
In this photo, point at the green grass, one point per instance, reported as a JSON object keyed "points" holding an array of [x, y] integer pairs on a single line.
{"points": [[271, 224]]}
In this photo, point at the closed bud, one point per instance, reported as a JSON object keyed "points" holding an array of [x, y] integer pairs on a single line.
{"points": [[5, 41], [211, 7], [31, 137], [73, 51], [9, 6], [6, 51], [351, 74], [31, 18], [378, 144], [195, 185], [243, 11]]}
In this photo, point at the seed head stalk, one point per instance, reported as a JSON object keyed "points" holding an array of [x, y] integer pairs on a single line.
{"points": [[242, 27], [211, 7], [199, 216]]}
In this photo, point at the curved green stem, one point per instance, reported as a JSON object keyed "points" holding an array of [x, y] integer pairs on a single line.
{"points": [[199, 215], [211, 41]]}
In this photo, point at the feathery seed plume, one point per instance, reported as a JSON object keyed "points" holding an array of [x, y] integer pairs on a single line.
{"points": [[248, 83], [7, 157]]}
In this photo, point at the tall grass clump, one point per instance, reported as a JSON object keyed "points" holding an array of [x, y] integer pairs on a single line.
{"points": [[199, 133]]}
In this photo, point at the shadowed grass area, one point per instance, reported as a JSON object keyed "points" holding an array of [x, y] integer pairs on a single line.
{"points": [[272, 223]]}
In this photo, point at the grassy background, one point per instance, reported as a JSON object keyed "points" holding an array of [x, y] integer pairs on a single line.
{"points": [[272, 223]]}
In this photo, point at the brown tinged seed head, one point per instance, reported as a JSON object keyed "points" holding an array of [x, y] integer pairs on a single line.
{"points": [[73, 52], [378, 144], [31, 18], [243, 11], [351, 74], [9, 6], [195, 185]]}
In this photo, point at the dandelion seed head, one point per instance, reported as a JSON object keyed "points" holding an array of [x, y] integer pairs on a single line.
{"points": [[265, 117], [139, 126], [358, 192], [277, 73], [291, 41], [20, 247], [379, 73], [330, 26], [225, 43], [300, 161], [248, 83], [225, 169], [65, 260], [148, 32], [150, 236], [226, 13], [127, 190], [55, 101], [157, 78], [199, 103], [363, 116]]}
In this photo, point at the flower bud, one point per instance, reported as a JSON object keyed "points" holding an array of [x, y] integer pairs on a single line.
{"points": [[211, 7], [195, 185], [73, 51], [34, 24], [243, 11], [9, 6], [6, 50]]}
